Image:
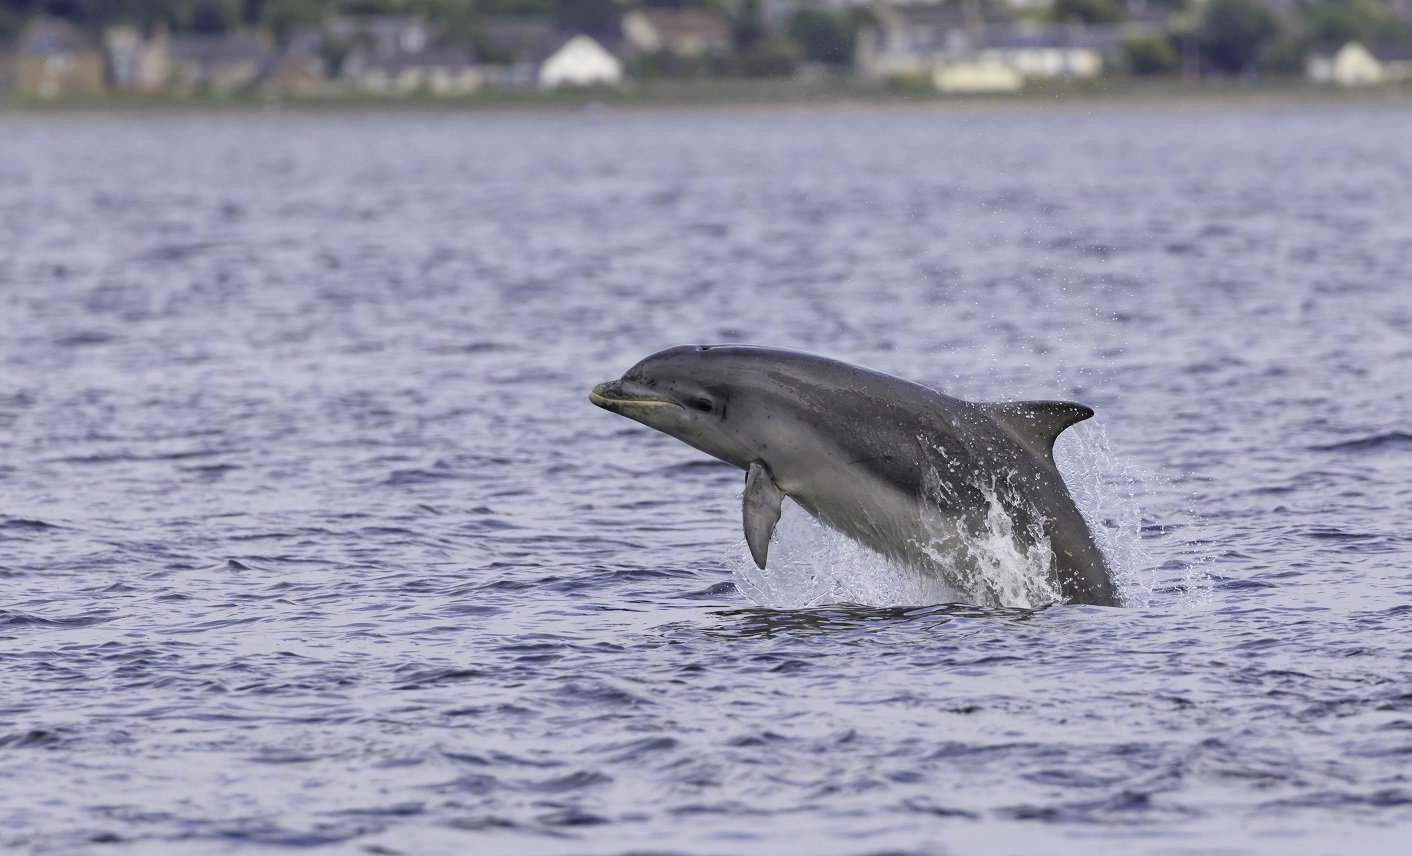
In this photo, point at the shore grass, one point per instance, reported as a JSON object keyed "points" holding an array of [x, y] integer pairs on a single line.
{"points": [[742, 93]]}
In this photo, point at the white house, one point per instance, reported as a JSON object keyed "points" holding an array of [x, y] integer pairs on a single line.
{"points": [[220, 64], [580, 61], [976, 77], [1043, 57], [920, 41], [137, 64], [434, 72], [1356, 65], [1350, 65]]}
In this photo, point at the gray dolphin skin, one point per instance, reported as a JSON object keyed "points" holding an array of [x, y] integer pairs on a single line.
{"points": [[892, 464]]}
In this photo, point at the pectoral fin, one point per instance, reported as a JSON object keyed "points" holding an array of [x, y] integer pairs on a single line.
{"points": [[762, 510]]}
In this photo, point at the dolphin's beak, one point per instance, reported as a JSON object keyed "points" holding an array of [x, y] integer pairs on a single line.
{"points": [[613, 396]]}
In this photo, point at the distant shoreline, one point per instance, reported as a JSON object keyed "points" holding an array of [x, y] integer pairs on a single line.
{"points": [[747, 94]]}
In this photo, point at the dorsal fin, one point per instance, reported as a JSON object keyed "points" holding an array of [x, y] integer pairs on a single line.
{"points": [[1036, 424]]}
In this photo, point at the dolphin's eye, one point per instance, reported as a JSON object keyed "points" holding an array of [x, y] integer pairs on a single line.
{"points": [[702, 403]]}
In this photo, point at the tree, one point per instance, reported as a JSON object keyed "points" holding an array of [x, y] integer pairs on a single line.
{"points": [[252, 11], [11, 22], [1150, 55], [774, 56], [1087, 12], [824, 36], [282, 16], [78, 11], [1339, 21], [746, 27], [828, 36], [375, 7], [590, 15], [1233, 32], [212, 17]]}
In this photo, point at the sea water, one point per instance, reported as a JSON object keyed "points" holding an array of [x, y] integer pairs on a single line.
{"points": [[309, 538]]}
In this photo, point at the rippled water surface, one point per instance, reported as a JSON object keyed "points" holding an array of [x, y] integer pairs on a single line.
{"points": [[309, 537]]}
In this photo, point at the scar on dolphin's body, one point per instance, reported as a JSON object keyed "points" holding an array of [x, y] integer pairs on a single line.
{"points": [[859, 450]]}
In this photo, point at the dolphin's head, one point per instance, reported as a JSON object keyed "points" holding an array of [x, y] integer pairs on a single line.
{"points": [[696, 393]]}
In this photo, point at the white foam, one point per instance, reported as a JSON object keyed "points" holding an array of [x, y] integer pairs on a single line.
{"points": [[999, 565], [812, 565]]}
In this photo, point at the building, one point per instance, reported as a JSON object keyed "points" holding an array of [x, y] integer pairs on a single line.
{"points": [[1351, 65], [1047, 52], [220, 65], [579, 61], [1396, 60], [909, 39], [1355, 64], [433, 72], [960, 47], [52, 58], [384, 35], [298, 67], [515, 41], [137, 63], [687, 33], [977, 76]]}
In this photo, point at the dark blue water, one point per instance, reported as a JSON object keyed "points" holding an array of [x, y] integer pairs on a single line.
{"points": [[309, 538]]}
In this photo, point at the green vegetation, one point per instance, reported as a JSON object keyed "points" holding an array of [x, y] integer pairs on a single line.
{"points": [[1087, 12], [222, 15], [828, 37], [773, 56], [1232, 34], [1149, 55], [1338, 21], [747, 27], [281, 16]]}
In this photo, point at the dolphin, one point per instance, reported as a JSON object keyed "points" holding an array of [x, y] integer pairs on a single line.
{"points": [[907, 471]]}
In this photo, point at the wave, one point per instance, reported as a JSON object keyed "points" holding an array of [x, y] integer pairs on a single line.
{"points": [[1389, 441]]}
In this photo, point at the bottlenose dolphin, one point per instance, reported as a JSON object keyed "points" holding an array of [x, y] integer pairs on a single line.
{"points": [[910, 472]]}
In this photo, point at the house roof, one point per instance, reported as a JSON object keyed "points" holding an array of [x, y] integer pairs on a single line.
{"points": [[448, 58], [523, 39], [945, 14], [303, 42], [1382, 51], [561, 39], [390, 25], [51, 36], [1019, 37], [391, 34], [519, 38], [1156, 14], [674, 24], [212, 49], [1391, 52]]}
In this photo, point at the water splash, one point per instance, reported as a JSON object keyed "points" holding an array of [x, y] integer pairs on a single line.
{"points": [[1001, 562], [812, 565], [1110, 494]]}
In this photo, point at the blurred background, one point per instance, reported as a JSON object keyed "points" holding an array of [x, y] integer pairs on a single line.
{"points": [[460, 49], [309, 537]]}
